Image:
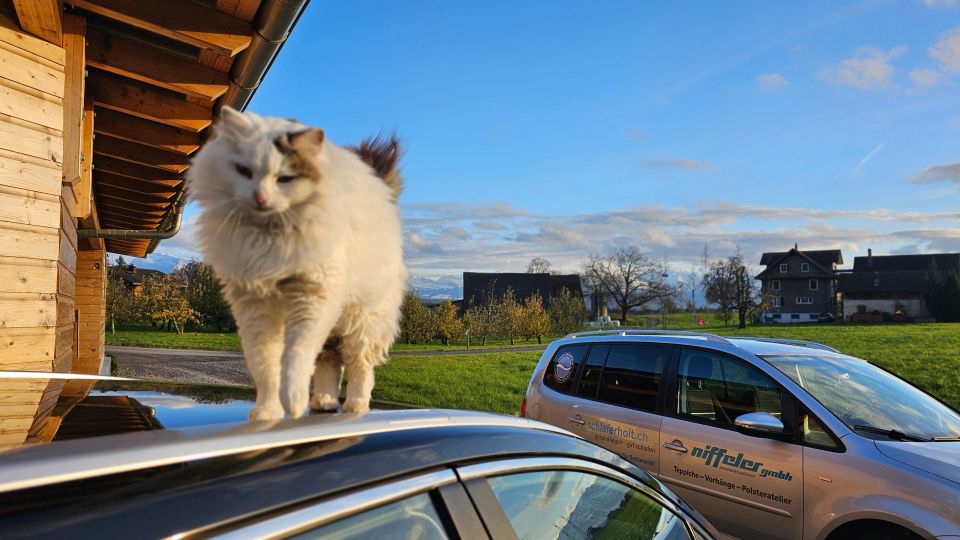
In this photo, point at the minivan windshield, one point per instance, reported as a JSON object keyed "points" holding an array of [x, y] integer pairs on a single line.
{"points": [[869, 400]]}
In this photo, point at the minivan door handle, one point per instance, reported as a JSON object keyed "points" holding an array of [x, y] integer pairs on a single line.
{"points": [[676, 446], [576, 419]]}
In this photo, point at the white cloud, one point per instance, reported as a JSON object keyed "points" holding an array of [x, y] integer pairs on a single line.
{"points": [[677, 163], [940, 3], [869, 69], [946, 50], [937, 173], [926, 78], [772, 81]]}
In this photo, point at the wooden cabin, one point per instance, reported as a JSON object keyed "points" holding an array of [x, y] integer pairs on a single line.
{"points": [[102, 102]]}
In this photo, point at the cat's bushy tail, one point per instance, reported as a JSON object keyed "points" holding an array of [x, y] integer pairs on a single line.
{"points": [[382, 153]]}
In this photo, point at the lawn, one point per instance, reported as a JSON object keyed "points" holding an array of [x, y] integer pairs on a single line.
{"points": [[926, 354], [488, 382]]}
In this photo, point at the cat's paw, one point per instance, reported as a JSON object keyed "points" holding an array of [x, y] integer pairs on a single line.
{"points": [[356, 405], [266, 412], [295, 401], [324, 402]]}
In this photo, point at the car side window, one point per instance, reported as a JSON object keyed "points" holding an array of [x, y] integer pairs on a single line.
{"points": [[590, 377], [414, 518], [814, 433], [717, 389], [571, 504], [563, 367], [631, 375]]}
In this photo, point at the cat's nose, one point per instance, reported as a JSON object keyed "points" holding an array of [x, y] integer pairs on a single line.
{"points": [[259, 198]]}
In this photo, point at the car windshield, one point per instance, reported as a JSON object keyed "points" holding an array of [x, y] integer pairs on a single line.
{"points": [[869, 400]]}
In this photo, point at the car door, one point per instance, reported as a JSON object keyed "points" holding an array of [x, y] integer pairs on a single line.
{"points": [[747, 486], [619, 387], [536, 498]]}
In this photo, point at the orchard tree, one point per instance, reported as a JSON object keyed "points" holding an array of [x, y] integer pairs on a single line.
{"points": [[567, 312], [536, 320], [628, 277], [729, 285], [509, 315], [445, 321], [119, 300], [165, 302], [416, 323]]}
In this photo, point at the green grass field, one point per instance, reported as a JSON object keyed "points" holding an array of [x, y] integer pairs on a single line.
{"points": [[928, 355]]}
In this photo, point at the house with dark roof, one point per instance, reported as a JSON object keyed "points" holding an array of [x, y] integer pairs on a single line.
{"points": [[133, 277], [891, 286], [480, 286], [801, 285]]}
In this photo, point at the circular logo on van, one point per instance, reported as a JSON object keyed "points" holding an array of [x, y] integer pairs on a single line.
{"points": [[563, 369]]}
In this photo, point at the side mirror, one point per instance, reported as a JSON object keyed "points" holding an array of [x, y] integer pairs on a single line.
{"points": [[760, 424]]}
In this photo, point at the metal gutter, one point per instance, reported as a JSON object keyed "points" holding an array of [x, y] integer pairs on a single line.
{"points": [[272, 26]]}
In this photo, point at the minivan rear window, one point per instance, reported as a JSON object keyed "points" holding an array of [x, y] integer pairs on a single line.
{"points": [[563, 367], [590, 378], [632, 374]]}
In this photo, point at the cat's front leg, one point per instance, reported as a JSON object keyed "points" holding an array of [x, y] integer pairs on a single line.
{"points": [[260, 327], [307, 327]]}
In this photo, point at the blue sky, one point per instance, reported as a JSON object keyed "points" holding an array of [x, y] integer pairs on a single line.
{"points": [[557, 129]]}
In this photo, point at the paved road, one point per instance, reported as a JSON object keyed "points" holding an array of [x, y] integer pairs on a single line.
{"points": [[222, 367]]}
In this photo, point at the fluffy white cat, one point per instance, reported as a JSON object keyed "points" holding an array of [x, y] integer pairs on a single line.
{"points": [[305, 238]]}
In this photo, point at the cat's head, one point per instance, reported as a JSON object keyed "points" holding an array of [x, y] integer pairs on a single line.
{"points": [[262, 165]]}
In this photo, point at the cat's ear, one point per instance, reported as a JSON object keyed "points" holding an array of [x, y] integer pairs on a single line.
{"points": [[297, 140], [233, 123], [307, 137]]}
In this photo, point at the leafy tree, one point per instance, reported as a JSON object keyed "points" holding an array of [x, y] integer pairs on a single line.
{"points": [[445, 321], [119, 300], [942, 295], [165, 302], [416, 324], [539, 265], [536, 320], [729, 285], [509, 316], [480, 320], [628, 277], [567, 312], [205, 295]]}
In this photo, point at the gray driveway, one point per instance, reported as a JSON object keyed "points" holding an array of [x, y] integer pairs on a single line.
{"points": [[221, 367]]}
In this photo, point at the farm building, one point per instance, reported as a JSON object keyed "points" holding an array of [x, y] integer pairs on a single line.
{"points": [[891, 286], [801, 285], [102, 102], [480, 286]]}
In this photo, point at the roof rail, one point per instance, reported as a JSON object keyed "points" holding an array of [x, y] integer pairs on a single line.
{"points": [[645, 332], [784, 341]]}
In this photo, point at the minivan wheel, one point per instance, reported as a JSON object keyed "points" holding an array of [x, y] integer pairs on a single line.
{"points": [[873, 529]]}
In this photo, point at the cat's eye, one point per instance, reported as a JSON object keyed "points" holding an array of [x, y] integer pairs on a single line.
{"points": [[243, 171], [286, 178]]}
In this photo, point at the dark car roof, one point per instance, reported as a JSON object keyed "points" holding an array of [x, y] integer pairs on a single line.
{"points": [[190, 455]]}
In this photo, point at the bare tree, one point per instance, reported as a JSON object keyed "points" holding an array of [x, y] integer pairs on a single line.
{"points": [[539, 265], [628, 277], [729, 285]]}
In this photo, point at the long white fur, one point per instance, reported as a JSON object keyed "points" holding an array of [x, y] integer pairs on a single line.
{"points": [[335, 244]]}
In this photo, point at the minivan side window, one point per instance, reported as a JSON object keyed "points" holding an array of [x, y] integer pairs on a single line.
{"points": [[563, 367], [590, 378], [631, 376], [718, 389]]}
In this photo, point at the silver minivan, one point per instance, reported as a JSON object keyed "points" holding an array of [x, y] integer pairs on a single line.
{"points": [[765, 438]]}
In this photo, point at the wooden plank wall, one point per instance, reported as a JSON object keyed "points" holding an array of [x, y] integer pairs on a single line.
{"points": [[31, 151], [91, 306]]}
